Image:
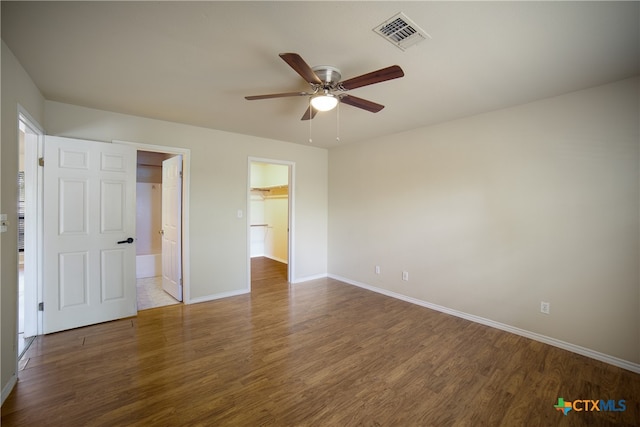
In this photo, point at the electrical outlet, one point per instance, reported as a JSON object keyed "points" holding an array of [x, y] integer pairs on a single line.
{"points": [[545, 307], [377, 269], [405, 275]]}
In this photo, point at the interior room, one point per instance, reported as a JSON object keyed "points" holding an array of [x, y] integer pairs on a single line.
{"points": [[349, 213], [149, 230], [269, 212]]}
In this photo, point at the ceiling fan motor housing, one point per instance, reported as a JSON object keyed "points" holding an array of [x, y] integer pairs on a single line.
{"points": [[328, 74]]}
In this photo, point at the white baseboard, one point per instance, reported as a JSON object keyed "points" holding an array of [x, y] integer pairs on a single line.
{"points": [[309, 278], [284, 261], [612, 360], [218, 296], [6, 390]]}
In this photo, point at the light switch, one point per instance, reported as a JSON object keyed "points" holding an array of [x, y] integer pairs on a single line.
{"points": [[240, 213], [3, 223]]}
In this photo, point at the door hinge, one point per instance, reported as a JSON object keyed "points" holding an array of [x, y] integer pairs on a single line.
{"points": [[41, 306], [41, 161], [180, 174]]}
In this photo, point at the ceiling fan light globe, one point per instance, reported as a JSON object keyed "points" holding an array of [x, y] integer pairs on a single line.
{"points": [[324, 102]]}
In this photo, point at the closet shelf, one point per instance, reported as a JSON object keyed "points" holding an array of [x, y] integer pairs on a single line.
{"points": [[270, 188]]}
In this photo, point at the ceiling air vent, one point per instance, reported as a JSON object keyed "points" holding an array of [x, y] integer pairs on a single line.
{"points": [[401, 31]]}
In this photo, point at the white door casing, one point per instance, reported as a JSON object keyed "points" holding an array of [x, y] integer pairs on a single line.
{"points": [[172, 226], [89, 215], [33, 137]]}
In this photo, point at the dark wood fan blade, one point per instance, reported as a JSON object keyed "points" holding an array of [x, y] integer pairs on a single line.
{"points": [[296, 62], [276, 95], [309, 114], [373, 77], [354, 101]]}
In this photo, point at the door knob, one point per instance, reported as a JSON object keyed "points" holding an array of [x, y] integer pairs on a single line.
{"points": [[129, 240]]}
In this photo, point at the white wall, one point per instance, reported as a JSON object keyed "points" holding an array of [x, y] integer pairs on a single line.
{"points": [[148, 218], [258, 229], [276, 215], [268, 175], [17, 89], [269, 235], [492, 214], [218, 186]]}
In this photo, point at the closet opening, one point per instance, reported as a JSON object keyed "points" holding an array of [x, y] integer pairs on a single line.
{"points": [[270, 219]]}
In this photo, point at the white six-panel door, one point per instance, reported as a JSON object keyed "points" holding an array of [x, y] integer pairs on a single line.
{"points": [[172, 226], [89, 215]]}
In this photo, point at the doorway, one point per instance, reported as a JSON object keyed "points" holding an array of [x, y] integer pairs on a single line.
{"points": [[186, 170], [270, 219], [29, 222], [31, 302], [158, 229]]}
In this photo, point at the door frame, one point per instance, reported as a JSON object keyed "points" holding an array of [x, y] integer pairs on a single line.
{"points": [[34, 196], [186, 170], [290, 219]]}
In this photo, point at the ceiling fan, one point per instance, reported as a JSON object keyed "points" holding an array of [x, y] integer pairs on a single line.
{"points": [[327, 89]]}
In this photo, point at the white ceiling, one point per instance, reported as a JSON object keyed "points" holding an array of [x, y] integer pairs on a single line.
{"points": [[193, 62]]}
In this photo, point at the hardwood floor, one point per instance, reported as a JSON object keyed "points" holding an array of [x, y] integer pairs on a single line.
{"points": [[320, 353]]}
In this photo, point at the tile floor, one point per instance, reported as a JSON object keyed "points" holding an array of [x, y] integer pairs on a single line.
{"points": [[151, 294]]}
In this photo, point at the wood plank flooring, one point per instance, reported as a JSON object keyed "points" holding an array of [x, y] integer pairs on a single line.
{"points": [[321, 353]]}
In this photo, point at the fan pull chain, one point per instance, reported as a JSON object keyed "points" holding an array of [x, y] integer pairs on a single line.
{"points": [[310, 114], [338, 122]]}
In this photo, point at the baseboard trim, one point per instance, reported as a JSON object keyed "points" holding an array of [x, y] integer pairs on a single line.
{"points": [[284, 261], [612, 360], [6, 390], [218, 296], [309, 278]]}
